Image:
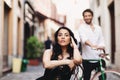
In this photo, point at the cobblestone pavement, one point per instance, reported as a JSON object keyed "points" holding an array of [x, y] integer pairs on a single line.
{"points": [[34, 72], [31, 73]]}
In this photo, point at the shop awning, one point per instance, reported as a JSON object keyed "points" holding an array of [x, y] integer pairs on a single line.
{"points": [[43, 17]]}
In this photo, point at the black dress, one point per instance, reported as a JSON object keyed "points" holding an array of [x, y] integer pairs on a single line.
{"points": [[62, 72], [58, 73]]}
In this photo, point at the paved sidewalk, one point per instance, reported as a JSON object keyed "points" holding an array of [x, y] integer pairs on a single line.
{"points": [[32, 73]]}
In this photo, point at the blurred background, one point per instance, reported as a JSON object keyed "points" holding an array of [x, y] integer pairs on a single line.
{"points": [[22, 19]]}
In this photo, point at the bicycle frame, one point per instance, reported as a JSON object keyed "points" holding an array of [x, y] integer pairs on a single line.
{"points": [[101, 68], [102, 71]]}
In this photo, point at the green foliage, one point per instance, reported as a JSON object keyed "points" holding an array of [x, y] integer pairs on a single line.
{"points": [[34, 48]]}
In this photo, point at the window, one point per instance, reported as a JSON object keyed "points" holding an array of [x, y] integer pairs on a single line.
{"points": [[99, 21], [98, 2]]}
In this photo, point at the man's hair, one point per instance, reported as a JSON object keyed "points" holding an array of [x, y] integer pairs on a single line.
{"points": [[87, 10]]}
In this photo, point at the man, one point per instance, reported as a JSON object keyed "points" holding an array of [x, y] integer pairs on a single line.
{"points": [[48, 43], [92, 42]]}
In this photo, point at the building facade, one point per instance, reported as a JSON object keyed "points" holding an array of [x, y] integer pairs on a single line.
{"points": [[11, 38], [1, 34], [20, 19]]}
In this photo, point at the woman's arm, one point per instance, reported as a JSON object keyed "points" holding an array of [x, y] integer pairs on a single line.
{"points": [[76, 53], [48, 63], [76, 56]]}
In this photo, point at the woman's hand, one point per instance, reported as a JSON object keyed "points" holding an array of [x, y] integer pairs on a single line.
{"points": [[73, 44], [71, 64]]}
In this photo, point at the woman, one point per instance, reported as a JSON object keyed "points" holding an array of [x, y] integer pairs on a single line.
{"points": [[60, 61]]}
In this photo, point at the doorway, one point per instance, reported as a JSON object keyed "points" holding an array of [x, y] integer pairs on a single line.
{"points": [[112, 14]]}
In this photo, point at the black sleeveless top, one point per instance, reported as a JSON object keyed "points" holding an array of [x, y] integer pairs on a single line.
{"points": [[62, 72]]}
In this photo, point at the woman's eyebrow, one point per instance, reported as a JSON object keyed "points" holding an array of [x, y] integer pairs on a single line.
{"points": [[63, 33], [67, 33]]}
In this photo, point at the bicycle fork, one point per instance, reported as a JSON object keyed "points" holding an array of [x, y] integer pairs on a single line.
{"points": [[102, 71]]}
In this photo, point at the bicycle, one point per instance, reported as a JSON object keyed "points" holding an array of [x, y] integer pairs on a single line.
{"points": [[106, 74]]}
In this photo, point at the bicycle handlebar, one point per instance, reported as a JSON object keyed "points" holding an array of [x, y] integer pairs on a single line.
{"points": [[104, 55]]}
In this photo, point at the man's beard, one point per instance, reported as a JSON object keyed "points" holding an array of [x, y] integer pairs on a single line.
{"points": [[88, 22]]}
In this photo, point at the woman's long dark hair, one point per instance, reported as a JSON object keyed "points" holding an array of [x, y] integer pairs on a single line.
{"points": [[57, 48]]}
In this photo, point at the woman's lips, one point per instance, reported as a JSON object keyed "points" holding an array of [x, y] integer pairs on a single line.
{"points": [[62, 41]]}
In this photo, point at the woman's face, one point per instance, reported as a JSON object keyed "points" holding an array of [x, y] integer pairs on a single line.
{"points": [[63, 37]]}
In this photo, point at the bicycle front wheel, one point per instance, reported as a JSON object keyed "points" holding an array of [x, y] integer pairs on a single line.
{"points": [[108, 75]]}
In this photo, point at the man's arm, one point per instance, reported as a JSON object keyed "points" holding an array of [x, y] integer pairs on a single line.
{"points": [[87, 42]]}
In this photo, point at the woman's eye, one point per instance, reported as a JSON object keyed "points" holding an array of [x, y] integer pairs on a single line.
{"points": [[67, 35], [59, 35]]}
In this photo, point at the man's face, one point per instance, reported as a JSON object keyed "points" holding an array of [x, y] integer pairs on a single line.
{"points": [[88, 17]]}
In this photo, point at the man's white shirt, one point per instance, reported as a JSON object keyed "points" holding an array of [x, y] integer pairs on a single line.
{"points": [[95, 37]]}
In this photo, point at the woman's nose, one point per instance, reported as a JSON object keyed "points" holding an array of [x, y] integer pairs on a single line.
{"points": [[63, 36]]}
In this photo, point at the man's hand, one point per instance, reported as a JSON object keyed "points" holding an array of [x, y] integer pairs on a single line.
{"points": [[95, 47]]}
